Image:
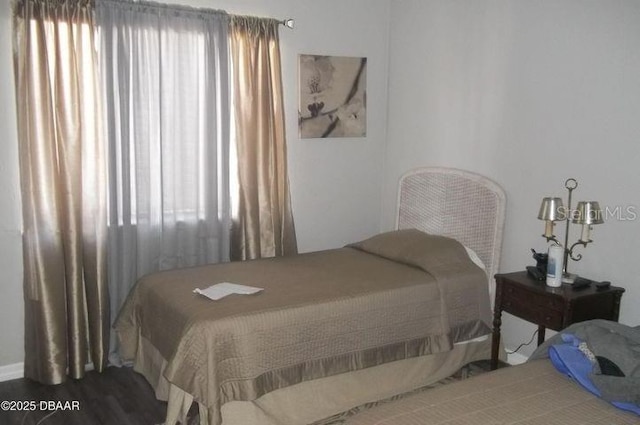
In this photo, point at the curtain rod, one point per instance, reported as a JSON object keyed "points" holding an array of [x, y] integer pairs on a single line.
{"points": [[286, 22]]}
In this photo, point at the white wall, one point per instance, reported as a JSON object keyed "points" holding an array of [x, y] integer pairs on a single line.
{"points": [[11, 306], [529, 93], [335, 184]]}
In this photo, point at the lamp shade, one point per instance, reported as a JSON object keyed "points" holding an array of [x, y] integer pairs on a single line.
{"points": [[551, 209], [588, 212]]}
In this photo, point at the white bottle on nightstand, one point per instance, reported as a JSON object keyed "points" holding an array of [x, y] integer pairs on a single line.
{"points": [[554, 266]]}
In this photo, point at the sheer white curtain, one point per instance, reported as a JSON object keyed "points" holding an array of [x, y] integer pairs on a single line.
{"points": [[165, 74]]}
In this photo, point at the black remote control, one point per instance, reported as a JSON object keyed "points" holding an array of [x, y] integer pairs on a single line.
{"points": [[601, 286], [580, 283]]}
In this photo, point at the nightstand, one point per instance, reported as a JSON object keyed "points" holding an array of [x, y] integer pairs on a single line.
{"points": [[547, 307]]}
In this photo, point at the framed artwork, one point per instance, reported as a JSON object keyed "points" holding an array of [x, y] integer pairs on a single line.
{"points": [[332, 96]]}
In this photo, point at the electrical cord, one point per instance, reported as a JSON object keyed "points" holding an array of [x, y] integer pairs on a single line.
{"points": [[523, 344], [44, 418]]}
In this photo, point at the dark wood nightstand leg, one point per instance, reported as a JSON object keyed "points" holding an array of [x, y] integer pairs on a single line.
{"points": [[495, 340], [540, 335]]}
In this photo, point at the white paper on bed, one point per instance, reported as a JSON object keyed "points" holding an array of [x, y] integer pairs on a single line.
{"points": [[221, 290]]}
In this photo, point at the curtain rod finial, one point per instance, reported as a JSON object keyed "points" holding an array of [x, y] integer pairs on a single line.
{"points": [[289, 23]]}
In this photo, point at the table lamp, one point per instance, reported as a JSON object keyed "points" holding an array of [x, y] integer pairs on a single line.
{"points": [[587, 214]]}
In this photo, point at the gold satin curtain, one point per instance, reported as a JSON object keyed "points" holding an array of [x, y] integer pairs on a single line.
{"points": [[62, 171], [263, 223]]}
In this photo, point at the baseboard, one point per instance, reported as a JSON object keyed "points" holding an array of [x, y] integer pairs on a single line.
{"points": [[16, 371], [11, 371], [516, 358]]}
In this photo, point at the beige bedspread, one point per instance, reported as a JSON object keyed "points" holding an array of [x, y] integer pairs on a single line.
{"points": [[395, 296], [533, 394]]}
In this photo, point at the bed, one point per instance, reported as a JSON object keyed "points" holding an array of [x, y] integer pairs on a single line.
{"points": [[533, 393], [545, 390], [331, 329]]}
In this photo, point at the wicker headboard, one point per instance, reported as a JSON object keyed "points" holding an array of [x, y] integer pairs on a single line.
{"points": [[455, 203]]}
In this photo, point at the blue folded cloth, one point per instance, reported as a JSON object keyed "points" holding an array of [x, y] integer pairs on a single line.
{"points": [[574, 361]]}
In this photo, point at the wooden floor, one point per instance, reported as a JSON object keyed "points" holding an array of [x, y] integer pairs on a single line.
{"points": [[118, 396]]}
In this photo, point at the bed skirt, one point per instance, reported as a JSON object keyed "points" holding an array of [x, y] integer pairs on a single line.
{"points": [[314, 400]]}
